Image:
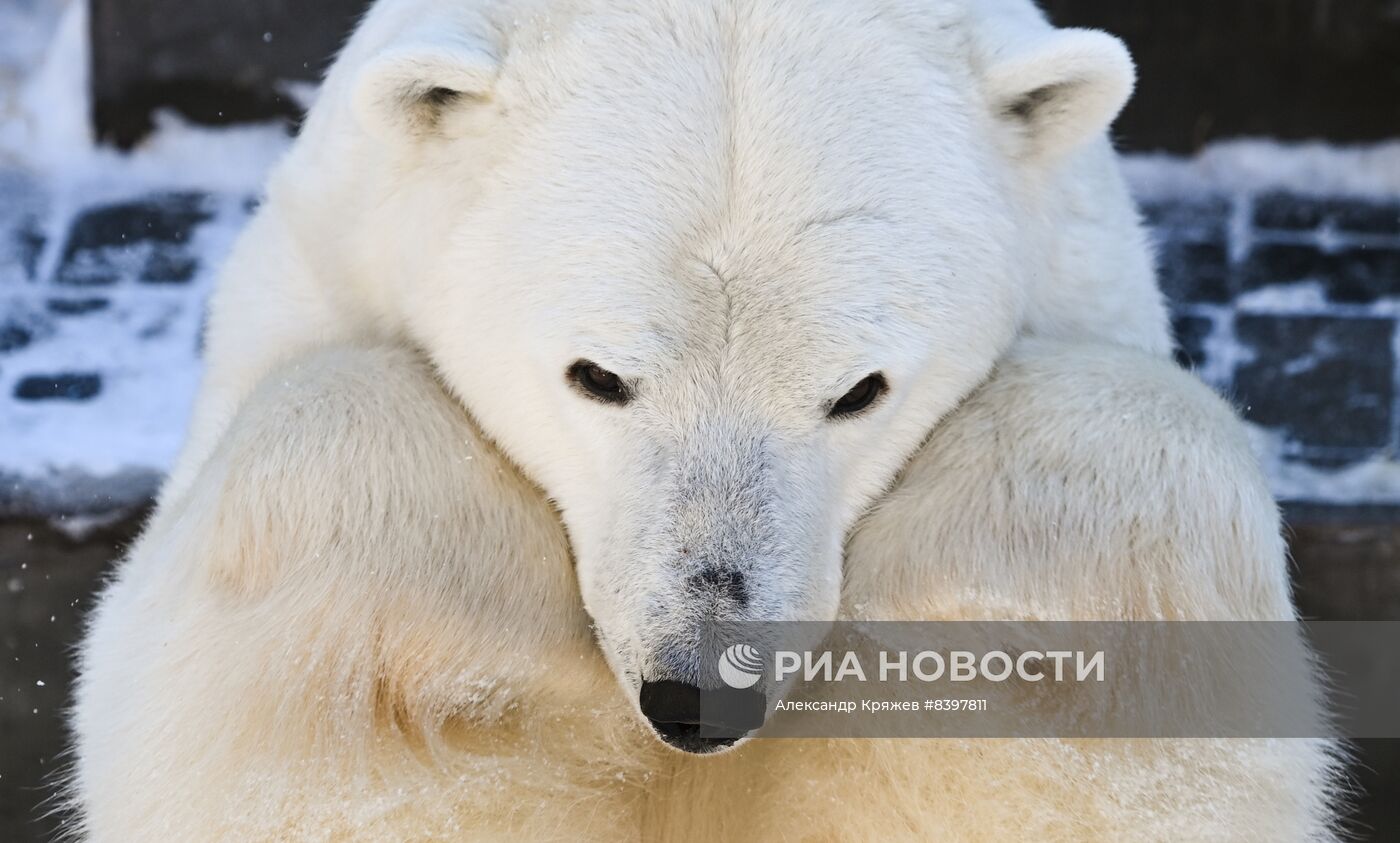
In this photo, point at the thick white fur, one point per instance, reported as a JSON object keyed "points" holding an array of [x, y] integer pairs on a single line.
{"points": [[361, 624], [741, 207], [337, 623], [369, 196]]}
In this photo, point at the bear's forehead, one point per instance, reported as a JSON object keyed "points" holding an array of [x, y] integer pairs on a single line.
{"points": [[752, 113], [778, 282], [852, 279], [792, 150], [778, 187]]}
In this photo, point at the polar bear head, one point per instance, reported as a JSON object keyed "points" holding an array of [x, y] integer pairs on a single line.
{"points": [[709, 272]]}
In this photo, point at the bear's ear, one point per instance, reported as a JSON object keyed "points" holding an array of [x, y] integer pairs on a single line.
{"points": [[409, 87], [1059, 88]]}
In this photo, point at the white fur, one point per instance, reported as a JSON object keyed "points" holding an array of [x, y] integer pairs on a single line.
{"points": [[361, 625], [743, 208]]}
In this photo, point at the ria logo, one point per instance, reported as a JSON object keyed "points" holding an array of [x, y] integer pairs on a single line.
{"points": [[740, 666]]}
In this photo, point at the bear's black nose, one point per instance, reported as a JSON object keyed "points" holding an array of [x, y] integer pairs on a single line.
{"points": [[701, 720]]}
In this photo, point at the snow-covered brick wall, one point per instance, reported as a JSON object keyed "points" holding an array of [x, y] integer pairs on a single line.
{"points": [[1283, 268], [100, 317], [105, 263]]}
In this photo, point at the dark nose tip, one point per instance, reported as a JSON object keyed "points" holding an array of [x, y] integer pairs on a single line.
{"points": [[723, 582], [701, 720]]}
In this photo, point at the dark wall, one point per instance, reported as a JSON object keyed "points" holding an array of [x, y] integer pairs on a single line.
{"points": [[1291, 69], [215, 61]]}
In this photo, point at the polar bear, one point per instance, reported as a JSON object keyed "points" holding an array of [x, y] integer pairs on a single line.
{"points": [[707, 250], [709, 278], [361, 624]]}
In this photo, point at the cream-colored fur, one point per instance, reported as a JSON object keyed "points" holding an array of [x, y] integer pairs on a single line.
{"points": [[351, 618], [592, 147], [741, 208], [362, 624]]}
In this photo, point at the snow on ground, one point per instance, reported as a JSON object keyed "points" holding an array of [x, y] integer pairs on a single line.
{"points": [[109, 449]]}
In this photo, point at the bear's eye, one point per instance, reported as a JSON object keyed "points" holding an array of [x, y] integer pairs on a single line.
{"points": [[858, 397], [596, 382]]}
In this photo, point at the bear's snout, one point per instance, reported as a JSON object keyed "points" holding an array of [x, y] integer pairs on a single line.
{"points": [[701, 720]]}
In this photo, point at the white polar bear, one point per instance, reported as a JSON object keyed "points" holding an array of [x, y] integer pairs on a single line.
{"points": [[725, 217], [360, 624], [708, 273]]}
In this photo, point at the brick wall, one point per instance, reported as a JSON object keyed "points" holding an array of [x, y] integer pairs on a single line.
{"points": [[1287, 303]]}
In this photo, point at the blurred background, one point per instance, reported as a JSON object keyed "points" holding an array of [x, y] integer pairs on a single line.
{"points": [[1263, 144]]}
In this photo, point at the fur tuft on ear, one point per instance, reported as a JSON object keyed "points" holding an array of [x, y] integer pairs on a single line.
{"points": [[1060, 88], [406, 88]]}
